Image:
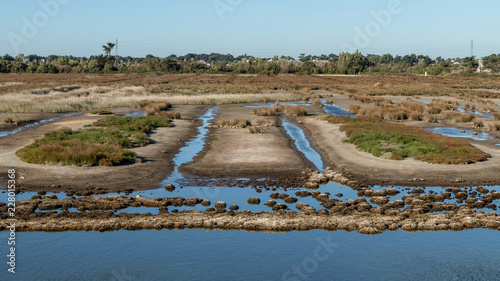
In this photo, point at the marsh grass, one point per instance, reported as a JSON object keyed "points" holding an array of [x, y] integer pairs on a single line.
{"points": [[401, 141], [102, 146], [253, 130], [9, 118], [236, 123], [266, 122], [278, 109]]}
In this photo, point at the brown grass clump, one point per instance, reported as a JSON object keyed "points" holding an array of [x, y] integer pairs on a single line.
{"points": [[170, 114], [157, 107], [469, 106], [236, 123], [464, 118], [265, 111], [266, 123], [496, 115], [253, 130], [316, 102], [487, 109], [378, 84], [477, 124], [278, 109], [354, 108], [7, 120], [493, 126]]}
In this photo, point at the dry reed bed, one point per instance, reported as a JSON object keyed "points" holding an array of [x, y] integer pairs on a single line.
{"points": [[60, 102]]}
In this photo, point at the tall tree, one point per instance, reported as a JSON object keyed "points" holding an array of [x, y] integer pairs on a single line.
{"points": [[108, 47]]}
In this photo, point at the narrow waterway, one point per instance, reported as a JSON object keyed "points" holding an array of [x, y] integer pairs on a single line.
{"points": [[36, 124], [457, 133], [302, 143], [336, 110]]}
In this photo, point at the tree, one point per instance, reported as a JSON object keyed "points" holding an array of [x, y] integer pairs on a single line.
{"points": [[107, 48], [470, 62], [8, 57]]}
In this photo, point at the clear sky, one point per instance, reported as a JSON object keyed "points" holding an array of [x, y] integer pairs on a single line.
{"points": [[256, 27]]}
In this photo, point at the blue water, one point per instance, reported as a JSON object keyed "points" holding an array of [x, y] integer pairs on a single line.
{"points": [[136, 114], [457, 133], [192, 147], [336, 110], [476, 112], [424, 102], [238, 255], [35, 124], [302, 143]]}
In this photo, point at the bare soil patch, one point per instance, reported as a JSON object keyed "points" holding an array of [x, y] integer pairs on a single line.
{"points": [[234, 152]]}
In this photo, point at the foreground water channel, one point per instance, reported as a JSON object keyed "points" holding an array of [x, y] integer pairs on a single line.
{"points": [[237, 255], [197, 254]]}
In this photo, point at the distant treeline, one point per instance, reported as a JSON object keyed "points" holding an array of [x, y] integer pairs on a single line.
{"points": [[344, 63]]}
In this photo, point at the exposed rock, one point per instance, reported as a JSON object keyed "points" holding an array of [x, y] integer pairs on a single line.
{"points": [[482, 190], [291, 200], [271, 203], [220, 205], [379, 200], [169, 187]]}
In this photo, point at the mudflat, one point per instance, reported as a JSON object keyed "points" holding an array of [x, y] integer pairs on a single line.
{"points": [[235, 152]]}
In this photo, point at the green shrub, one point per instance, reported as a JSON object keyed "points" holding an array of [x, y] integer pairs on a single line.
{"points": [[401, 141], [75, 152], [104, 146]]}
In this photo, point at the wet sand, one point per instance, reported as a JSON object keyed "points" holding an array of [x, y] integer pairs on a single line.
{"points": [[235, 152]]}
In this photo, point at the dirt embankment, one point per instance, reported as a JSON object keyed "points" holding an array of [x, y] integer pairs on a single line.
{"points": [[370, 170], [156, 158], [235, 152]]}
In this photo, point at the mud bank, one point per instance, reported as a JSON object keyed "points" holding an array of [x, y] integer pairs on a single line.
{"points": [[153, 166], [236, 153]]}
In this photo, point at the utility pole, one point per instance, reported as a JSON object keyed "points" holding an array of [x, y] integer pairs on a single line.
{"points": [[472, 48]]}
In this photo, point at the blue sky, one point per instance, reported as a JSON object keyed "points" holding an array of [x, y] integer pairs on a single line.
{"points": [[255, 27]]}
